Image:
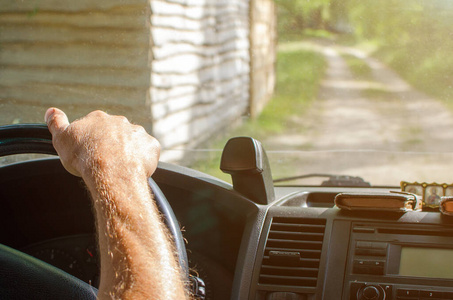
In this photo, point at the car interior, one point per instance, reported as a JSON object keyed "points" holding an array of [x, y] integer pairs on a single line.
{"points": [[306, 144], [249, 240]]}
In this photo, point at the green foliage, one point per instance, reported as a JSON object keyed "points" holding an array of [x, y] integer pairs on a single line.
{"points": [[294, 16], [305, 34], [413, 37]]}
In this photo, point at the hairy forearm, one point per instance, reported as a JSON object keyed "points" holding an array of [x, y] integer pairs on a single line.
{"points": [[115, 157], [134, 264]]}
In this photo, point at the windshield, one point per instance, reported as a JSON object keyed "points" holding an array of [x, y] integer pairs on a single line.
{"points": [[359, 87]]}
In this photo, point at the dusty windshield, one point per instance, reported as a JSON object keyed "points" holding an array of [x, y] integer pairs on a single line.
{"points": [[358, 87]]}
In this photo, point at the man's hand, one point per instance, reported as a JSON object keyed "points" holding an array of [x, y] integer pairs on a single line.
{"points": [[115, 158], [103, 142]]}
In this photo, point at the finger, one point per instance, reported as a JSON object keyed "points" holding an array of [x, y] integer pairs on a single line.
{"points": [[56, 120]]}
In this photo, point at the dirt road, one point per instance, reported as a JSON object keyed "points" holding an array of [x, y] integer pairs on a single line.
{"points": [[378, 127]]}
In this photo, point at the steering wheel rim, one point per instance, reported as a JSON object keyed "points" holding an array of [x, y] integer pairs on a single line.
{"points": [[36, 138]]}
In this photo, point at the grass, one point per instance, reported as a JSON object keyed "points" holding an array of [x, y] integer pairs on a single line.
{"points": [[428, 70], [426, 63], [299, 73], [285, 37]]}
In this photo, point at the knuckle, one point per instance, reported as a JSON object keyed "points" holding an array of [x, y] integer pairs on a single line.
{"points": [[97, 114], [139, 129], [123, 119], [120, 119], [155, 146]]}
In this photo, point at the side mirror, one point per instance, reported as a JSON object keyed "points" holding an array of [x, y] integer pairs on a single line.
{"points": [[245, 159]]}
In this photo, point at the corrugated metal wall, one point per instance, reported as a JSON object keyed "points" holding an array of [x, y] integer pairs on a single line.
{"points": [[200, 69]]}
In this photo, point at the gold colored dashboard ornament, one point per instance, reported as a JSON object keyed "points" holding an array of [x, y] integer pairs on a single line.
{"points": [[431, 193], [446, 205]]}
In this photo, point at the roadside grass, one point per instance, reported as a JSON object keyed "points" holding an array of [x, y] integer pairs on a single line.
{"points": [[299, 73], [426, 70], [284, 37], [428, 67]]}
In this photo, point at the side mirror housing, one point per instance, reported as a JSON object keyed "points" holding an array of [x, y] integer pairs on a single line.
{"points": [[246, 161]]}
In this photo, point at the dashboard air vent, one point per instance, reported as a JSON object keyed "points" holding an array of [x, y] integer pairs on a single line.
{"points": [[292, 253]]}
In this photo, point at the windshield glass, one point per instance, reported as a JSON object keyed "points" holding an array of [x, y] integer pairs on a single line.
{"points": [[359, 87]]}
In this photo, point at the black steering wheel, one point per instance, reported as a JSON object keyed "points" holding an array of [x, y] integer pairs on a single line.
{"points": [[25, 277]]}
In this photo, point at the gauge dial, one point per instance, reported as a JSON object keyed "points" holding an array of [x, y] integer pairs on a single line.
{"points": [[76, 255], [60, 259]]}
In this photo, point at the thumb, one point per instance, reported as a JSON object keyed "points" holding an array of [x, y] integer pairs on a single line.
{"points": [[56, 120]]}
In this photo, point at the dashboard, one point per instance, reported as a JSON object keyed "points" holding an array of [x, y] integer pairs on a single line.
{"points": [[326, 253], [297, 247]]}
